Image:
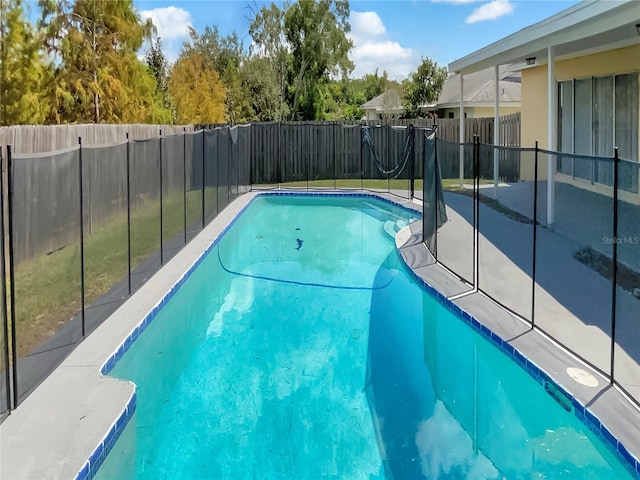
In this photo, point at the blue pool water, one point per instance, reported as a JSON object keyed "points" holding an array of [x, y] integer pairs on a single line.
{"points": [[301, 348]]}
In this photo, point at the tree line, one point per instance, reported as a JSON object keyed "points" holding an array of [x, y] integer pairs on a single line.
{"points": [[79, 64]]}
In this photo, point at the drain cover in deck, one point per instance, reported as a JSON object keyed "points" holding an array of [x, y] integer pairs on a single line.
{"points": [[582, 377]]}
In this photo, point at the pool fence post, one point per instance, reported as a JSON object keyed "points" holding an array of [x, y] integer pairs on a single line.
{"points": [[229, 164], [184, 178], [12, 275], [616, 166], [389, 156], [161, 210], [476, 209], [279, 155], [204, 183], [362, 127], [3, 273], [215, 131], [309, 133], [251, 128], [333, 136], [535, 236], [128, 214], [435, 175], [81, 198], [412, 159]]}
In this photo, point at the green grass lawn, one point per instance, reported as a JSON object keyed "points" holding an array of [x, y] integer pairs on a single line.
{"points": [[378, 184], [48, 286]]}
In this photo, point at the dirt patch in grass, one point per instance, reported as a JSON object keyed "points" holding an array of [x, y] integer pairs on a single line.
{"points": [[626, 278]]}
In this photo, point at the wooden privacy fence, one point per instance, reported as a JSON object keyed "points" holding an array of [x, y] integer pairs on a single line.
{"points": [[509, 134], [448, 128], [49, 138]]}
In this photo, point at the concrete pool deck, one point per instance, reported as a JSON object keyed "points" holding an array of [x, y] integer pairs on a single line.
{"points": [[55, 430]]}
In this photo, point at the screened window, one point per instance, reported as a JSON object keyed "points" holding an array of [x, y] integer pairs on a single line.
{"points": [[595, 115], [626, 115]]}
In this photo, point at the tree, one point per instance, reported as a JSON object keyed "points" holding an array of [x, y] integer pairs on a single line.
{"points": [[317, 35], [23, 71], [261, 89], [98, 76], [267, 32], [375, 85], [423, 87], [157, 65], [224, 54], [219, 52], [197, 91], [343, 100]]}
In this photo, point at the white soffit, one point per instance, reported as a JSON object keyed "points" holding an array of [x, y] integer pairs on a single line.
{"points": [[589, 26]]}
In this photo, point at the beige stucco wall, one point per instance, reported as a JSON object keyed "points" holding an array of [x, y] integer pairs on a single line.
{"points": [[534, 89]]}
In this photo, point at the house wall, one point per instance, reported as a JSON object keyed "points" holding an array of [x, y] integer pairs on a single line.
{"points": [[534, 90], [371, 115]]}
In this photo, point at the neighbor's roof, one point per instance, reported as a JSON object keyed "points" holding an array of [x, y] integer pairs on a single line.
{"points": [[479, 89], [585, 28], [377, 103]]}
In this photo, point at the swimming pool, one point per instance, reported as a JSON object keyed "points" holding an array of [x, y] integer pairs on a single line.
{"points": [[301, 347]]}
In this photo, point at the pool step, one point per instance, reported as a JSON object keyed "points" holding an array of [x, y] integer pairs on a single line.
{"points": [[391, 227]]}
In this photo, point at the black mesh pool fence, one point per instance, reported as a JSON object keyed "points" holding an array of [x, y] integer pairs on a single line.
{"points": [[88, 226]]}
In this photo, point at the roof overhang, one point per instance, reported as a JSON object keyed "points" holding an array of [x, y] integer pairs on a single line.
{"points": [[588, 27]]}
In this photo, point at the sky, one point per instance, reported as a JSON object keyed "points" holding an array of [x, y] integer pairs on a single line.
{"points": [[391, 35]]}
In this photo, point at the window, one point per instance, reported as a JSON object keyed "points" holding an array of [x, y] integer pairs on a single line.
{"points": [[594, 116], [626, 116]]}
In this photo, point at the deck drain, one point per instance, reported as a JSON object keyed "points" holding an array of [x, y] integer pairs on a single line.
{"points": [[582, 377]]}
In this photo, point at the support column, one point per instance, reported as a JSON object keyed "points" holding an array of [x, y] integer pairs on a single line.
{"points": [[551, 132], [461, 129], [496, 130]]}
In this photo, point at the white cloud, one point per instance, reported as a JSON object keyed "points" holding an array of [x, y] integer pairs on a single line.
{"points": [[366, 23], [172, 25], [171, 22], [490, 11], [372, 49], [381, 50]]}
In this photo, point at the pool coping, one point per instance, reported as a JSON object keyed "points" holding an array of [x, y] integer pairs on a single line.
{"points": [[39, 446]]}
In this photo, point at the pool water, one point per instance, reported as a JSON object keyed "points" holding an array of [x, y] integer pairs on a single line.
{"points": [[301, 348]]}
